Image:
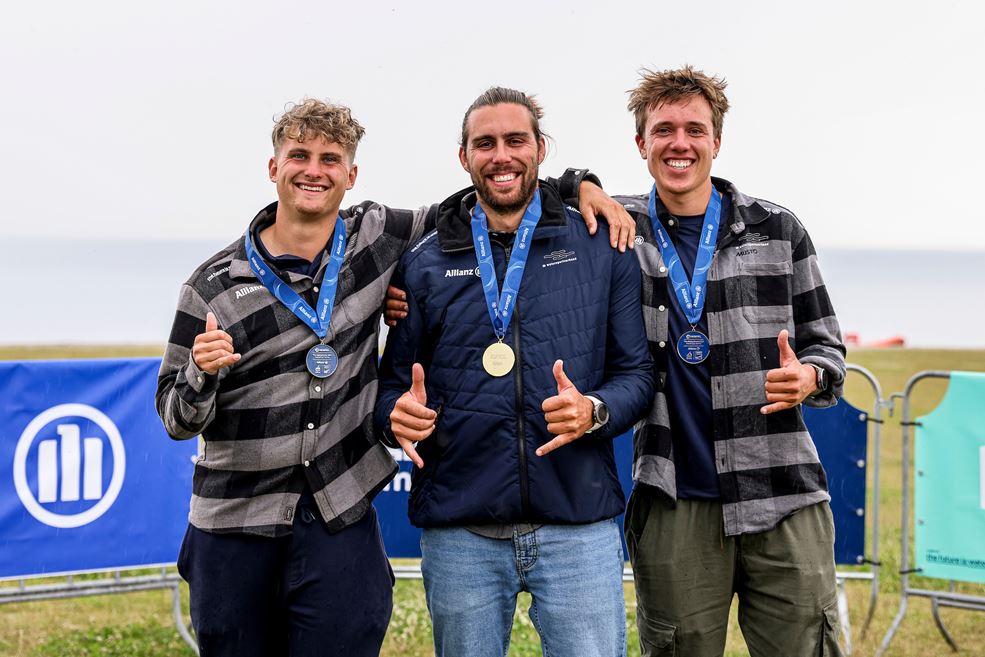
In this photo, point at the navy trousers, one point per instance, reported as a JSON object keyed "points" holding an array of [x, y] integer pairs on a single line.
{"points": [[310, 593]]}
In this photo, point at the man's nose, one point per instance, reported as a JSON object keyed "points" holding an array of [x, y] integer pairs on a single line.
{"points": [[313, 168], [680, 139], [501, 153]]}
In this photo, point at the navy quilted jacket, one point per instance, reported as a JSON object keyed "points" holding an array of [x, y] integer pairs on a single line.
{"points": [[579, 301]]}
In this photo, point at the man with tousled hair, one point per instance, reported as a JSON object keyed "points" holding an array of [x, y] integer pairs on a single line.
{"points": [[283, 553], [523, 353], [729, 498], [273, 360]]}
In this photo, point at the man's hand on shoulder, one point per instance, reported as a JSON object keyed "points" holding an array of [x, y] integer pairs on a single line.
{"points": [[568, 414], [592, 201], [791, 383], [411, 421], [213, 349]]}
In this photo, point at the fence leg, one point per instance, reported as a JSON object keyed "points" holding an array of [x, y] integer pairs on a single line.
{"points": [[935, 608], [872, 607], [179, 620], [846, 628], [892, 628]]}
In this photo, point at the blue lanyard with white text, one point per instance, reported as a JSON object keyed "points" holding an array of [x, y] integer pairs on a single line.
{"points": [[690, 295], [317, 321], [501, 305]]}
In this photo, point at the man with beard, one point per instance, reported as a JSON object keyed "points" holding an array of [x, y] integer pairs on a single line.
{"points": [[506, 401], [272, 358]]}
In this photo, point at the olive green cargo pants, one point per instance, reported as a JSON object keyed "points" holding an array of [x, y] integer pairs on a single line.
{"points": [[687, 570]]}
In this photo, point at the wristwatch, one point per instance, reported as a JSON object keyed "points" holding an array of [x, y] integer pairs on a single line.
{"points": [[822, 380], [600, 413]]}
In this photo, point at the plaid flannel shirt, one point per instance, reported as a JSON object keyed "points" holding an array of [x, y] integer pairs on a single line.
{"points": [[764, 278], [268, 425]]}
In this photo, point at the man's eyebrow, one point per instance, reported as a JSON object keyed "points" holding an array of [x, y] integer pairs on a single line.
{"points": [[508, 135]]}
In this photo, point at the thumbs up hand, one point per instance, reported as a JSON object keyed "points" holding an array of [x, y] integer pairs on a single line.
{"points": [[568, 414], [213, 349], [791, 383], [410, 420]]}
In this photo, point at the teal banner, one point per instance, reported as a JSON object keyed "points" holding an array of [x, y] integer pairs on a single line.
{"points": [[949, 486]]}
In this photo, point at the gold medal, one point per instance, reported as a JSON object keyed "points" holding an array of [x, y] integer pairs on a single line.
{"points": [[498, 359]]}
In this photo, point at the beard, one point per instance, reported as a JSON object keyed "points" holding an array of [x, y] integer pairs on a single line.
{"points": [[506, 203]]}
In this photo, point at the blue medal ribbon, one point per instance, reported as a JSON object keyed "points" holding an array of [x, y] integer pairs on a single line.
{"points": [[319, 320], [690, 294], [501, 305]]}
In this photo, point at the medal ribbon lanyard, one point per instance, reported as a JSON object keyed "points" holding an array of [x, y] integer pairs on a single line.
{"points": [[319, 320], [690, 295], [500, 305]]}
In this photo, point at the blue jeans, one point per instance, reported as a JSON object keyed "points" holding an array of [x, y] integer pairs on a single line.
{"points": [[573, 573]]}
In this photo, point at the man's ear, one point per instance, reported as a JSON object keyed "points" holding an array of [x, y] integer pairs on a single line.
{"points": [[641, 146], [353, 171], [463, 158], [272, 169], [541, 149]]}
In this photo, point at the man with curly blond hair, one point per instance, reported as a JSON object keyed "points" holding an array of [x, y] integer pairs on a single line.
{"points": [[272, 359], [729, 498]]}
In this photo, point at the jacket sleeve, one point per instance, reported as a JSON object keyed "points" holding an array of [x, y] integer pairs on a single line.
{"points": [[568, 184], [186, 395], [816, 331], [400, 353], [628, 386]]}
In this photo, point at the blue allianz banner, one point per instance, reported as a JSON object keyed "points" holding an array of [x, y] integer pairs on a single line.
{"points": [[840, 433], [89, 480]]}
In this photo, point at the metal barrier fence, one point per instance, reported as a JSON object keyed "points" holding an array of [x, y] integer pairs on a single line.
{"points": [[947, 598]]}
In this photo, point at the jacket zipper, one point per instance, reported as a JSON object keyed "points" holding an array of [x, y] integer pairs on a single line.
{"points": [[518, 386]]}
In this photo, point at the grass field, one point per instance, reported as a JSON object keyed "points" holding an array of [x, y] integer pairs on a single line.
{"points": [[140, 625]]}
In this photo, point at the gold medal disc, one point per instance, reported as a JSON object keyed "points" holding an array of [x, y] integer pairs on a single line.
{"points": [[498, 359]]}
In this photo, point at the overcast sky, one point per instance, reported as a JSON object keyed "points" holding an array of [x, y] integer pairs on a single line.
{"points": [[152, 119]]}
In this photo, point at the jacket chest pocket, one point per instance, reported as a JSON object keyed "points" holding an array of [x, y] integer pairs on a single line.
{"points": [[766, 291]]}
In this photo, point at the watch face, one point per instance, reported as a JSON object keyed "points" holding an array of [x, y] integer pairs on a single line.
{"points": [[601, 414]]}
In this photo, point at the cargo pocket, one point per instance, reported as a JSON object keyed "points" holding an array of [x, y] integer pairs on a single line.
{"points": [[829, 632], [656, 637]]}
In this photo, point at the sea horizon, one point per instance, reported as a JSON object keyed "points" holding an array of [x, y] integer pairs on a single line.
{"points": [[123, 292]]}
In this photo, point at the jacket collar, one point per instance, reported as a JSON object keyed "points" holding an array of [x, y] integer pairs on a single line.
{"points": [[745, 210], [454, 220], [239, 266]]}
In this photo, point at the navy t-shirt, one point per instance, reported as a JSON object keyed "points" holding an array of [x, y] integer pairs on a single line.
{"points": [[688, 386]]}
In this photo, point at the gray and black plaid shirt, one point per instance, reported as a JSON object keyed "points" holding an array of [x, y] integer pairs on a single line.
{"points": [[270, 426], [764, 278]]}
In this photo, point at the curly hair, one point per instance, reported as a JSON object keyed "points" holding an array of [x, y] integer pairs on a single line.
{"points": [[313, 118], [657, 88]]}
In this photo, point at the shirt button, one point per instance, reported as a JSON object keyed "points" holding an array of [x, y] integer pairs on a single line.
{"points": [[307, 463], [315, 288], [311, 426], [198, 378], [663, 269], [317, 388], [670, 222], [661, 308], [662, 344]]}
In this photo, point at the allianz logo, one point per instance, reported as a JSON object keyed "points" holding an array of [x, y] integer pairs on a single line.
{"points": [[69, 465], [249, 289], [452, 273]]}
